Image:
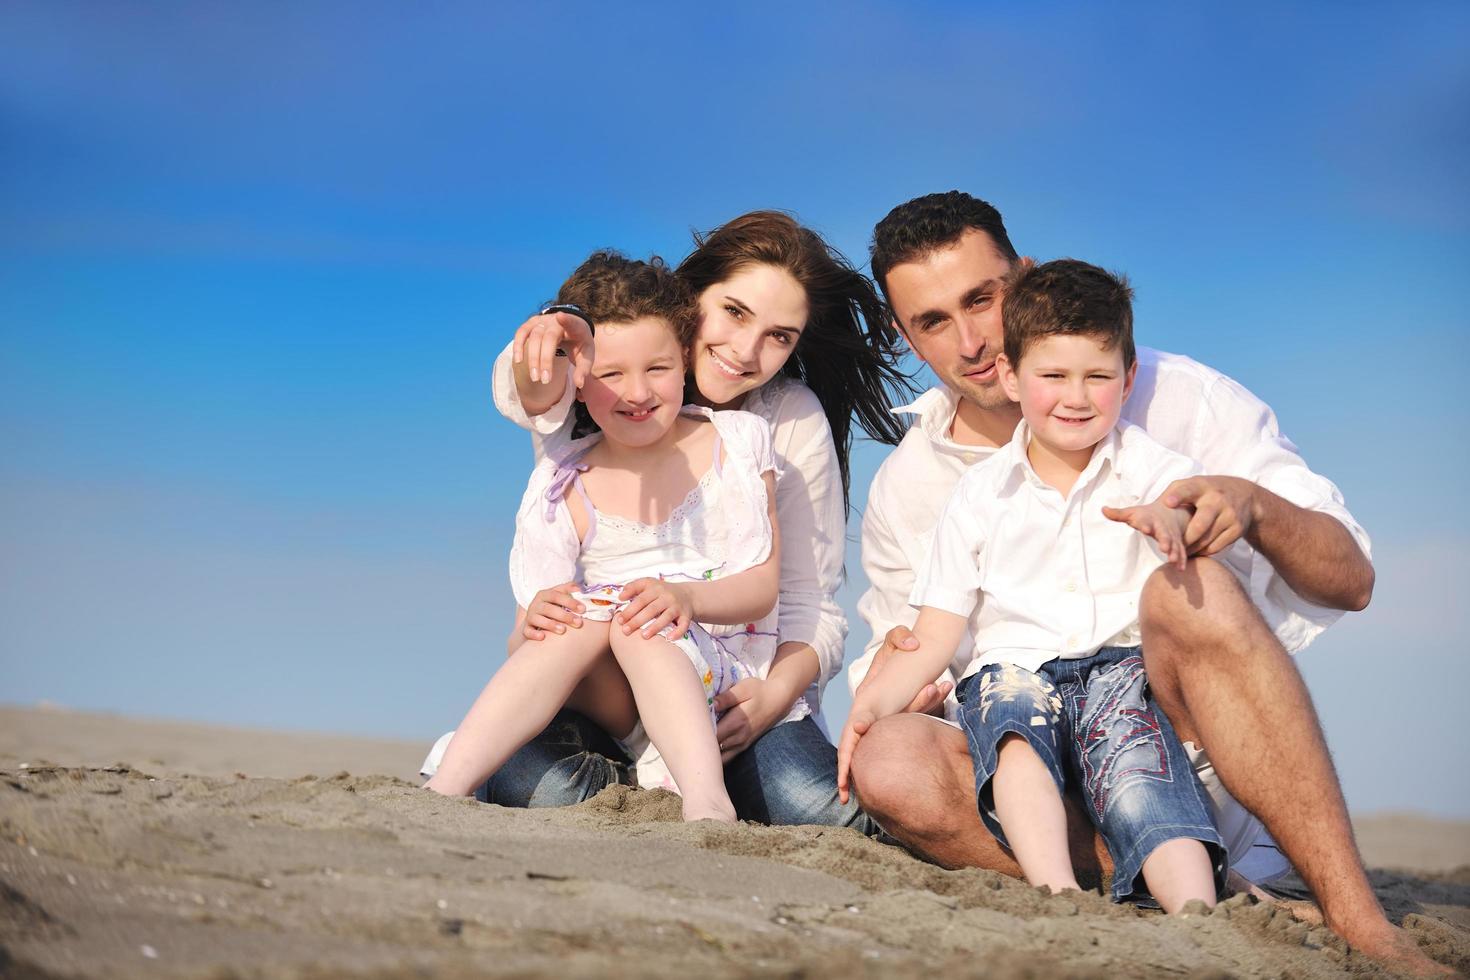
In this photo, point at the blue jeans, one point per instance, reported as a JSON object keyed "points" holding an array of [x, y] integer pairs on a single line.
{"points": [[1095, 726], [788, 776]]}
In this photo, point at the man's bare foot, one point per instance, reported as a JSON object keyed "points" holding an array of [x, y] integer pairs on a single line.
{"points": [[1301, 910]]}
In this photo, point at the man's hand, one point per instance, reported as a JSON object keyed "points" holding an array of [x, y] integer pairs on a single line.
{"points": [[930, 698], [537, 339], [748, 710], [1164, 524], [1224, 511], [654, 604], [552, 611]]}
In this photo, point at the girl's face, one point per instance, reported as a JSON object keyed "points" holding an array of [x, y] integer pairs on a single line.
{"points": [[749, 325], [637, 382]]}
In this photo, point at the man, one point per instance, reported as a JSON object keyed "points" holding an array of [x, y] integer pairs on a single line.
{"points": [[1216, 653]]}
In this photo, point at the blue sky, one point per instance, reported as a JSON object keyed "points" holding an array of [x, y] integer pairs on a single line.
{"points": [[256, 259]]}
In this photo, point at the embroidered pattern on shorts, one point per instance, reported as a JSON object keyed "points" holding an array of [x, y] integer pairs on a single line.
{"points": [[1118, 735]]}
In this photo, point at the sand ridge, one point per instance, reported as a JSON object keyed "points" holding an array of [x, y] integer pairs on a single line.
{"points": [[113, 871]]}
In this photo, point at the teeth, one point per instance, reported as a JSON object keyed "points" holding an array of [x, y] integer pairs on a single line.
{"points": [[726, 368]]}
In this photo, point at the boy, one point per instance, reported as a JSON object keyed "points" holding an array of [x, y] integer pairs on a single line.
{"points": [[1050, 535]]}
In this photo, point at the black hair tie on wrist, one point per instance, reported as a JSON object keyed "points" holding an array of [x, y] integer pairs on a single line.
{"points": [[575, 311]]}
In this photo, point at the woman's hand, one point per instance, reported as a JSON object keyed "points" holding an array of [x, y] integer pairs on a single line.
{"points": [[747, 711], [537, 340], [552, 611], [654, 604]]}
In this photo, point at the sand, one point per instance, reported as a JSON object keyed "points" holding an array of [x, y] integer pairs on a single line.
{"points": [[132, 848]]}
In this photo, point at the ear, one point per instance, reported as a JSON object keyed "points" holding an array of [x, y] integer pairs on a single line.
{"points": [[905, 335], [1128, 381], [1008, 382]]}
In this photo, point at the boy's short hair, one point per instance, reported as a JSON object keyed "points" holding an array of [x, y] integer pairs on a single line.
{"points": [[926, 224], [612, 288], [1067, 297]]}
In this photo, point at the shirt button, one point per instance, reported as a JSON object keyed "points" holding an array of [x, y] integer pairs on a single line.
{"points": [[1071, 586], [969, 458]]}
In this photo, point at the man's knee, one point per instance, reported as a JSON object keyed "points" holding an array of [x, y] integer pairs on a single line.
{"points": [[902, 768], [1203, 598]]}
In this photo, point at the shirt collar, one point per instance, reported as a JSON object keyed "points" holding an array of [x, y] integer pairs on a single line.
{"points": [[1019, 465], [936, 409]]}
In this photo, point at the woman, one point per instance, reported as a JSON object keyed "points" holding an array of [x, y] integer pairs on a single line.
{"points": [[791, 332]]}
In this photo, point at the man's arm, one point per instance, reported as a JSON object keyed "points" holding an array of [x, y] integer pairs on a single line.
{"points": [[1312, 551]]}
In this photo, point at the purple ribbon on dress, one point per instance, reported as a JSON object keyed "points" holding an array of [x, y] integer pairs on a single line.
{"points": [[560, 480]]}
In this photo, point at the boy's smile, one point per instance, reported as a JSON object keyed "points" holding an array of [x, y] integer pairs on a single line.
{"points": [[1071, 391]]}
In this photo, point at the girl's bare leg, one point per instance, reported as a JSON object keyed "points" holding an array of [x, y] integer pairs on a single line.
{"points": [[1030, 811], [672, 704], [520, 701], [1178, 871]]}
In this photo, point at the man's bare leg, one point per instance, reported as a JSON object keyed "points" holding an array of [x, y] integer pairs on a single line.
{"points": [[1228, 685], [912, 774]]}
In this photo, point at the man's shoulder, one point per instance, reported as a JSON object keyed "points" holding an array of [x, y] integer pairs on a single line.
{"points": [[1161, 372]]}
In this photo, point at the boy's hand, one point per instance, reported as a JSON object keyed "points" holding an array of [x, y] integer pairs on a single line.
{"points": [[537, 339], [654, 604], [900, 639], [859, 720], [1165, 524], [552, 611]]}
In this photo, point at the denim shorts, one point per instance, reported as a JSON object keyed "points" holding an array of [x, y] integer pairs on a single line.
{"points": [[1095, 726]]}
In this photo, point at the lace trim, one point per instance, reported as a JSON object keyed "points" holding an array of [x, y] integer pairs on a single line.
{"points": [[692, 503]]}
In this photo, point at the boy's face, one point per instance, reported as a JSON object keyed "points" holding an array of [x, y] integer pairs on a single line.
{"points": [[947, 305], [636, 386], [1070, 389]]}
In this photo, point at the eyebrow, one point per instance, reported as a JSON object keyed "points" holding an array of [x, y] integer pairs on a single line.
{"points": [[934, 316], [749, 312]]}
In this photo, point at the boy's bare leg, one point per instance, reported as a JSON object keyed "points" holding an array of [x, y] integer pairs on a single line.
{"points": [[520, 701], [1178, 871], [1226, 683], [671, 703], [913, 775], [1030, 811]]}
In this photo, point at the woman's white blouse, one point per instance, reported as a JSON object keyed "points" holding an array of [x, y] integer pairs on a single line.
{"points": [[809, 504]]}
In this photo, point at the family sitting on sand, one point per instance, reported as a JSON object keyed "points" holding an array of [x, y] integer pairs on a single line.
{"points": [[1088, 566]]}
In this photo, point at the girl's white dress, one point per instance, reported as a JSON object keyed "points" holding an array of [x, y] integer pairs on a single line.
{"points": [[720, 528]]}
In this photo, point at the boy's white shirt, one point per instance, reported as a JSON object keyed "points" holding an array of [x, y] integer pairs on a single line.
{"points": [[809, 506], [1049, 577], [1185, 406]]}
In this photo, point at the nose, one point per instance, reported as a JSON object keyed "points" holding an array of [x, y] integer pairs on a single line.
{"points": [[637, 390], [743, 345], [971, 338], [1076, 393]]}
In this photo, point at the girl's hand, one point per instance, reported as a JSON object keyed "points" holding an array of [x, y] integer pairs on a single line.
{"points": [[654, 604], [552, 611], [537, 339], [748, 710], [1164, 524]]}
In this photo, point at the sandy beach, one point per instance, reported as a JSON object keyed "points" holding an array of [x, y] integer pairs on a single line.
{"points": [[159, 849]]}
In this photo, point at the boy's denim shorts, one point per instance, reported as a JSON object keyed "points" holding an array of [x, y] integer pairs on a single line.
{"points": [[1095, 725]]}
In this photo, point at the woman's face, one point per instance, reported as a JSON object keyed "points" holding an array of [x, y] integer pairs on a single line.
{"points": [[749, 325]]}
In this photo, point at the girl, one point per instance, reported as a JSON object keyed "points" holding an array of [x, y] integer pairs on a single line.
{"points": [[665, 515], [789, 331]]}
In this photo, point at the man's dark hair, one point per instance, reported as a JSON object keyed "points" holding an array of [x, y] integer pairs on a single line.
{"points": [[926, 224], [1067, 298], [612, 288]]}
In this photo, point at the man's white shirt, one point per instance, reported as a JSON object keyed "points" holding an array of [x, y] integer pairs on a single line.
{"points": [[1184, 405], [1046, 576]]}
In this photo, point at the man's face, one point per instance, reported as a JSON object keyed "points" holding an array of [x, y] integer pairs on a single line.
{"points": [[948, 306]]}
